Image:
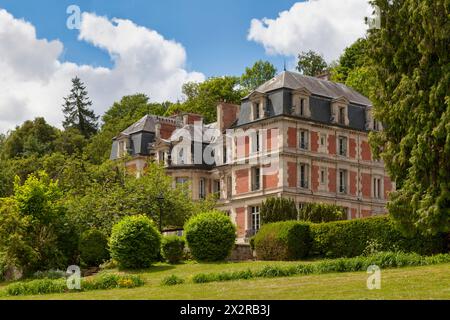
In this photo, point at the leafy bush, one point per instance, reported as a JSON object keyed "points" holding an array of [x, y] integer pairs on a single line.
{"points": [[45, 286], [172, 248], [321, 212], [40, 286], [210, 236], [361, 263], [172, 280], [352, 237], [110, 264], [135, 242], [50, 274], [110, 281], [93, 248], [289, 240], [278, 209]]}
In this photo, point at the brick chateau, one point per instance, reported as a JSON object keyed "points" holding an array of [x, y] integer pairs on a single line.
{"points": [[295, 136]]}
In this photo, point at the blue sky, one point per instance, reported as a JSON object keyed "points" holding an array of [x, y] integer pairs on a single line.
{"points": [[154, 47], [214, 33]]}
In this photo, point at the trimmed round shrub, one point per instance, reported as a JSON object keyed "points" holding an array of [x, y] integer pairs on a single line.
{"points": [[172, 248], [93, 248], [288, 240], [135, 242], [210, 236]]}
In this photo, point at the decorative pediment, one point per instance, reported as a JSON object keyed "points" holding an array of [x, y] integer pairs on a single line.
{"points": [[302, 91], [255, 95], [341, 100]]}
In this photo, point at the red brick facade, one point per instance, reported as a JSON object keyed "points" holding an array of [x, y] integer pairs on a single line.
{"points": [[331, 179], [292, 137], [352, 148], [366, 185], [240, 221], [242, 181], [331, 144], [353, 183], [292, 174], [315, 178], [365, 151], [314, 141]]}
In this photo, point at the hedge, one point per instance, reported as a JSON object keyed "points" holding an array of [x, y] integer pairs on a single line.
{"points": [[361, 263], [293, 240], [287, 240], [350, 238]]}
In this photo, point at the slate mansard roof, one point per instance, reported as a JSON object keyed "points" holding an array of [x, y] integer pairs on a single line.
{"points": [[278, 93]]}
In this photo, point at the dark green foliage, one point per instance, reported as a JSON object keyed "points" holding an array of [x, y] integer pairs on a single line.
{"points": [[311, 63], [289, 240], [321, 212], [135, 242], [382, 260], [350, 238], [172, 280], [76, 110], [259, 73], [172, 248], [210, 236], [31, 138], [411, 60], [50, 274], [202, 98], [278, 209], [93, 248]]}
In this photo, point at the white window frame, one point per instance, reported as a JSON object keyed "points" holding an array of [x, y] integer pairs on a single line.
{"points": [[345, 154], [343, 190], [306, 135], [254, 180], [255, 213], [303, 184], [377, 187]]}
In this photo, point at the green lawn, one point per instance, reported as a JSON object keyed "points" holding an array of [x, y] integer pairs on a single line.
{"points": [[426, 282]]}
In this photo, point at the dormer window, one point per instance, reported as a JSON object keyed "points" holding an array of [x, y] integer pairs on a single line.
{"points": [[256, 110], [341, 115], [300, 103], [122, 148], [302, 107], [339, 111]]}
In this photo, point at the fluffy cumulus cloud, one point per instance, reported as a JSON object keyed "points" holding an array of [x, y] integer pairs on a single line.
{"points": [[325, 26], [33, 80]]}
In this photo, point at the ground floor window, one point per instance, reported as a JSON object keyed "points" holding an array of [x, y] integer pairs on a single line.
{"points": [[256, 222]]}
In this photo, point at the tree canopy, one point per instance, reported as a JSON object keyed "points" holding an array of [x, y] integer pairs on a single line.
{"points": [[77, 112], [311, 63], [256, 75], [410, 59]]}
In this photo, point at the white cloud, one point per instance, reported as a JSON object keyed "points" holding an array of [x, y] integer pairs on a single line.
{"points": [[33, 81], [325, 26]]}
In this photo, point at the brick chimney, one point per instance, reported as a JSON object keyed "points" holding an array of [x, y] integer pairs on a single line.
{"points": [[324, 75], [227, 114]]}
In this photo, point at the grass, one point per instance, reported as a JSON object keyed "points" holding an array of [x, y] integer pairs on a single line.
{"points": [[424, 282]]}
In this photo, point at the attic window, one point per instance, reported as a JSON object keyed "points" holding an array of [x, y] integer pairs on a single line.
{"points": [[256, 111], [302, 107], [341, 115]]}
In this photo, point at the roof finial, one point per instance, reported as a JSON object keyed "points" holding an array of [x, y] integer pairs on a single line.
{"points": [[284, 64]]}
